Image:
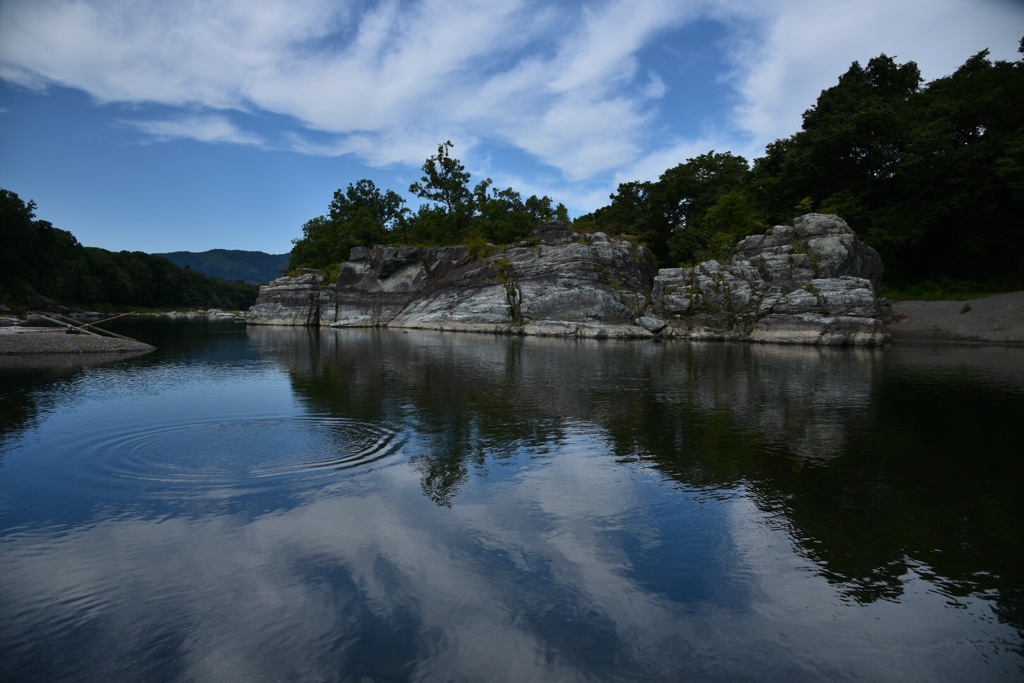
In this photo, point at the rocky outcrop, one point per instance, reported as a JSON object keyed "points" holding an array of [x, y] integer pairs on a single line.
{"points": [[809, 283], [292, 300], [557, 283]]}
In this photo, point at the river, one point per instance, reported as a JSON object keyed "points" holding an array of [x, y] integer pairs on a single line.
{"points": [[377, 505]]}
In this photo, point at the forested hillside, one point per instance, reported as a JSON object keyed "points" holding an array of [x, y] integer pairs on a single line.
{"points": [[37, 259], [254, 267], [931, 175]]}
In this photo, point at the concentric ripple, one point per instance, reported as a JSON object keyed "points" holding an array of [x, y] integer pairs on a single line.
{"points": [[238, 453]]}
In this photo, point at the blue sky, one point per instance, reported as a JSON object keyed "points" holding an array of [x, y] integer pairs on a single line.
{"points": [[161, 126]]}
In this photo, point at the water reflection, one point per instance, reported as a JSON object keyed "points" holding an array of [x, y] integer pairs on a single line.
{"points": [[859, 454], [541, 510]]}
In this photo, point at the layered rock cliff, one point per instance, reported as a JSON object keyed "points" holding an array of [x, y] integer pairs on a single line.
{"points": [[809, 283]]}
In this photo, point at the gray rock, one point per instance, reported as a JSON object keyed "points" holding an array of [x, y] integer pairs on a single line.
{"points": [[289, 301], [809, 283], [651, 324]]}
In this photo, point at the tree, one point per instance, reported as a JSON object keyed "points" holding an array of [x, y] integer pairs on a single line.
{"points": [[37, 258], [18, 235], [502, 217], [668, 215], [851, 143], [932, 176], [684, 194], [627, 214], [361, 215], [385, 209], [961, 184], [445, 182]]}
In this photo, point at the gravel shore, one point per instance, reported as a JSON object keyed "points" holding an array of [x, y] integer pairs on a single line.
{"points": [[34, 341]]}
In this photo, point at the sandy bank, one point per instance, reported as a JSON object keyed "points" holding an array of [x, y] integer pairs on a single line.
{"points": [[996, 319]]}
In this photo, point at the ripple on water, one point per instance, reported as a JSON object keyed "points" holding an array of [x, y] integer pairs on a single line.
{"points": [[235, 454]]}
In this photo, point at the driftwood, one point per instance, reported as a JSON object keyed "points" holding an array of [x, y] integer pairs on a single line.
{"points": [[88, 328]]}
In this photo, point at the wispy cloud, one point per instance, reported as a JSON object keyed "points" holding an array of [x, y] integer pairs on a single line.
{"points": [[571, 85], [212, 128], [797, 48], [555, 82]]}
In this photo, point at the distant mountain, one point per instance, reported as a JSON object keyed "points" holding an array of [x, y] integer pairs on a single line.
{"points": [[256, 267]]}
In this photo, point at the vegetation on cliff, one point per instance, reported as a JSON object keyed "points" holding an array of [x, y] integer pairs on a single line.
{"points": [[37, 259], [931, 175], [363, 216]]}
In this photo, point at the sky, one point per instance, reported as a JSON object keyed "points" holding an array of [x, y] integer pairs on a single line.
{"points": [[156, 126]]}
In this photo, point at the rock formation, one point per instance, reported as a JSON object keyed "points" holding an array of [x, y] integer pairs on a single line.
{"points": [[809, 283]]}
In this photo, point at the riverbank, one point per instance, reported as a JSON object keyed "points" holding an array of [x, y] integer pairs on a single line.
{"points": [[996, 319], [36, 341]]}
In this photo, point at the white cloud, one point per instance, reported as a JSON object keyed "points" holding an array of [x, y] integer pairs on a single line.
{"points": [[213, 128], [396, 71], [573, 86], [801, 47]]}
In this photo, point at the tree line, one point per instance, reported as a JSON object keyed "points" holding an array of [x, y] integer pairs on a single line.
{"points": [[37, 259], [931, 175]]}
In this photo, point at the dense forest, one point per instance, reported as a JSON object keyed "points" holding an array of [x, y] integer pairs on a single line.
{"points": [[931, 175], [39, 260]]}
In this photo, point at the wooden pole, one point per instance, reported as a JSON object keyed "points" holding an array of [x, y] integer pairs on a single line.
{"points": [[64, 322], [108, 332]]}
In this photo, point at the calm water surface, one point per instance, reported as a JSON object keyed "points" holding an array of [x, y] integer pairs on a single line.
{"points": [[296, 505]]}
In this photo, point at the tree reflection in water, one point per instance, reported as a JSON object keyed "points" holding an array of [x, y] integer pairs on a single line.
{"points": [[877, 462]]}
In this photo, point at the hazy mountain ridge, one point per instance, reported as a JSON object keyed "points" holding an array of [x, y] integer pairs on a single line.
{"points": [[256, 267]]}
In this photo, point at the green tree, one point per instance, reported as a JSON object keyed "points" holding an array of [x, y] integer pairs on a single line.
{"points": [[932, 176], [957, 199], [360, 215], [627, 214], [684, 194], [502, 217], [37, 258], [727, 221], [850, 145], [445, 183], [18, 237], [668, 215]]}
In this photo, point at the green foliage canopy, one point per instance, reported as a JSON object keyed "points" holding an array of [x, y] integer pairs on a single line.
{"points": [[671, 215], [931, 175], [454, 211]]}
